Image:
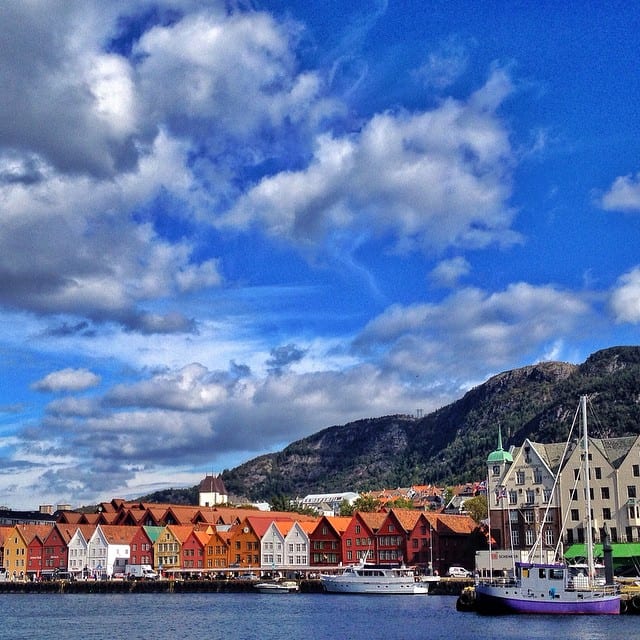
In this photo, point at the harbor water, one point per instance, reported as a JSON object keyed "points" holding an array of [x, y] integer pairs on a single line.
{"points": [[249, 616]]}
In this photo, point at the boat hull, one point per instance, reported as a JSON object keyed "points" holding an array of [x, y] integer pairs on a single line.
{"points": [[269, 587], [374, 588], [490, 600]]}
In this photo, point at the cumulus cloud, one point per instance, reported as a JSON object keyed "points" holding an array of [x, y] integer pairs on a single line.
{"points": [[490, 329], [448, 272], [624, 194], [67, 380], [437, 178], [624, 301], [185, 79], [70, 103], [93, 258]]}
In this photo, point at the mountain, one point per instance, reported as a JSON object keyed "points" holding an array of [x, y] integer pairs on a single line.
{"points": [[451, 444]]}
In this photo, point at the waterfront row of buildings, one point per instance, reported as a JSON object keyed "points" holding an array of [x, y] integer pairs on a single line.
{"points": [[177, 539]]}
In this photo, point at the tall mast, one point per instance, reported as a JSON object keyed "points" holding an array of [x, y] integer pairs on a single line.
{"points": [[587, 488]]}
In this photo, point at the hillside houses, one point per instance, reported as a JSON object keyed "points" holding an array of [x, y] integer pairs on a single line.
{"points": [[207, 541]]}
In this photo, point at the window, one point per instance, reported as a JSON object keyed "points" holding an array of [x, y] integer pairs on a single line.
{"points": [[513, 497], [496, 470], [529, 537], [537, 476], [546, 495], [515, 538], [606, 513], [636, 470], [528, 516], [604, 493], [631, 491], [519, 477], [549, 537], [598, 472], [573, 494], [531, 496], [575, 514]]}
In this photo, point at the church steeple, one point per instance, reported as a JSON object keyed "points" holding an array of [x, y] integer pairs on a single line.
{"points": [[499, 456]]}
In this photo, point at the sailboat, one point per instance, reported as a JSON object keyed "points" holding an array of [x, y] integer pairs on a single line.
{"points": [[552, 587]]}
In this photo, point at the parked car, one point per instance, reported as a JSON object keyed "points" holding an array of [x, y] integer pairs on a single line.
{"points": [[458, 572]]}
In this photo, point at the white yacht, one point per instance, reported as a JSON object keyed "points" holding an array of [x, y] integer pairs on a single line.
{"points": [[375, 579]]}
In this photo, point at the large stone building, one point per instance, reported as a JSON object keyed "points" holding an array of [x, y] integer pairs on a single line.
{"points": [[533, 495]]}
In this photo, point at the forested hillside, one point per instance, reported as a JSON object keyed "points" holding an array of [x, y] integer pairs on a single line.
{"points": [[452, 444]]}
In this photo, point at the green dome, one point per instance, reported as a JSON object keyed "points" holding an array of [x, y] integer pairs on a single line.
{"points": [[499, 456]]}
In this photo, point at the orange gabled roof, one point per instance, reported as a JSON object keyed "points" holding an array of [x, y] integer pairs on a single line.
{"points": [[69, 517], [408, 518], [180, 531], [31, 531], [227, 515], [202, 536], [373, 520], [118, 534], [284, 526], [339, 523], [183, 515], [156, 514], [4, 532], [456, 524], [110, 518], [258, 525], [308, 526], [90, 518], [85, 529]]}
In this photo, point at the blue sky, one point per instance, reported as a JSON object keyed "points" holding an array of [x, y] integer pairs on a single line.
{"points": [[226, 226]]}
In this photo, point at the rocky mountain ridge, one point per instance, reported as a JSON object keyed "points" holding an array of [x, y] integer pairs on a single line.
{"points": [[451, 444]]}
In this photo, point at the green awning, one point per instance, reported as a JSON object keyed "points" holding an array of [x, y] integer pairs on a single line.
{"points": [[619, 550]]}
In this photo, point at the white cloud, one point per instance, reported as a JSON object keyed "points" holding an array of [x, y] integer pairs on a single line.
{"points": [[624, 301], [70, 103], [436, 179], [448, 272], [94, 258], [67, 380], [491, 330], [215, 75], [624, 194]]}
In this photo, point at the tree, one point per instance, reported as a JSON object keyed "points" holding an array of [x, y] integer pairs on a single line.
{"points": [[366, 503], [401, 503], [477, 507], [346, 508]]}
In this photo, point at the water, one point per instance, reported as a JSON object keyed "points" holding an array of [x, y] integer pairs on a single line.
{"points": [[245, 616]]}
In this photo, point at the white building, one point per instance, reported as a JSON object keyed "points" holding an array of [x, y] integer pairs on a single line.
{"points": [[328, 504], [211, 492]]}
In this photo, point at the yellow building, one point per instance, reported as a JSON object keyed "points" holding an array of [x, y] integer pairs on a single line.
{"points": [[23, 549], [167, 549]]}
